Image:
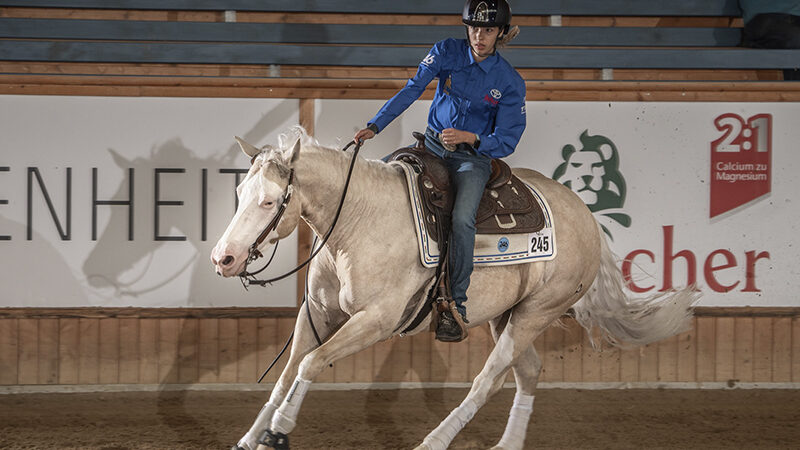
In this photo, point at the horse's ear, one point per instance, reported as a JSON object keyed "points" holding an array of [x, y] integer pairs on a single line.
{"points": [[248, 149], [120, 160], [294, 153]]}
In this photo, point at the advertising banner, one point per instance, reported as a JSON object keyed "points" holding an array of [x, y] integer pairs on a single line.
{"points": [[118, 201], [687, 193]]}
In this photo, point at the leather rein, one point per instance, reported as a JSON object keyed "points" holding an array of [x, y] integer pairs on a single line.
{"points": [[249, 278]]}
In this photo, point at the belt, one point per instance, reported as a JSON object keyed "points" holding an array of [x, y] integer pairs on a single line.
{"points": [[450, 147]]}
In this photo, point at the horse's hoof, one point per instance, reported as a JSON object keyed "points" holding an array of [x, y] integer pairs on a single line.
{"points": [[278, 441]]}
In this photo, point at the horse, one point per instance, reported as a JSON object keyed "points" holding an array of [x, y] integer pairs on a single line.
{"points": [[367, 281]]}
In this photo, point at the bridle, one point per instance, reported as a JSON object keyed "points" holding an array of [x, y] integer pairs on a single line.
{"points": [[253, 253], [249, 278]]}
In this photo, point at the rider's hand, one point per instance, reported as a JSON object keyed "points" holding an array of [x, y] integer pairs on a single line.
{"points": [[451, 136], [363, 135]]}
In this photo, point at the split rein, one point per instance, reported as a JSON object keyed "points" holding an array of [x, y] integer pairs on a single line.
{"points": [[249, 278]]}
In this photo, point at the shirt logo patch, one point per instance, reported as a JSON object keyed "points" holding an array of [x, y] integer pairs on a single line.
{"points": [[496, 94], [522, 112], [428, 59]]}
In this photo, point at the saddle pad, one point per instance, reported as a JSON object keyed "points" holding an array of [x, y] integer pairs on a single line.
{"points": [[490, 249]]}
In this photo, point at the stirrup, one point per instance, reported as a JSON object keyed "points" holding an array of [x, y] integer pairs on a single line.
{"points": [[451, 326]]}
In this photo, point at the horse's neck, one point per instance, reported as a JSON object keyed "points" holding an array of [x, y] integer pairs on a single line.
{"points": [[321, 178]]}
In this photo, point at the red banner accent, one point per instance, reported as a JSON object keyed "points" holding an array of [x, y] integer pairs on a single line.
{"points": [[741, 163]]}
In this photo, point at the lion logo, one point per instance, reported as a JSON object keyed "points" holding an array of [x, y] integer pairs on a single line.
{"points": [[593, 173]]}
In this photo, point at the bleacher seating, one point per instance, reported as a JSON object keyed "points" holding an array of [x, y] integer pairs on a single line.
{"points": [[520, 7], [567, 39]]}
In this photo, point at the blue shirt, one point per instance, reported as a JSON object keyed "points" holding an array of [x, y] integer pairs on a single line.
{"points": [[485, 98]]}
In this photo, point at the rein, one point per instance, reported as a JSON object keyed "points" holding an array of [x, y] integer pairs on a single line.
{"points": [[249, 278]]}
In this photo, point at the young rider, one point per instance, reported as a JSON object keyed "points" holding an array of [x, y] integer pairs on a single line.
{"points": [[478, 113]]}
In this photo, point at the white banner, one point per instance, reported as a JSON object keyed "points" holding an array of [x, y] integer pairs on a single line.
{"points": [[645, 169], [164, 170], [689, 192]]}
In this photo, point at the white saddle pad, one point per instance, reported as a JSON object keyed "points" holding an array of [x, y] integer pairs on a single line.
{"points": [[490, 249]]}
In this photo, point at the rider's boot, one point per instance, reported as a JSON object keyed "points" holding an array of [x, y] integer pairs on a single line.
{"points": [[452, 326]]}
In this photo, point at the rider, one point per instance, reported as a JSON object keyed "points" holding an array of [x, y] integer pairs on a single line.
{"points": [[478, 113]]}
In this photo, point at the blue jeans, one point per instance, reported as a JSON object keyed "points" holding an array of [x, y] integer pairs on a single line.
{"points": [[469, 173]]}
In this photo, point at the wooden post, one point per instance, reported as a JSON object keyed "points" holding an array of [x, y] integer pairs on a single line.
{"points": [[304, 234]]}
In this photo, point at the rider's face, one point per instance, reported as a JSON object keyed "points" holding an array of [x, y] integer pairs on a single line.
{"points": [[482, 40]]}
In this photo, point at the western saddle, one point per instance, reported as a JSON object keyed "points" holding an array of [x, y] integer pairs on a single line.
{"points": [[507, 205]]}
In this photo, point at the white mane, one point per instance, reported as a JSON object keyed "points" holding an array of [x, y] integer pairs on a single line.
{"points": [[287, 139]]}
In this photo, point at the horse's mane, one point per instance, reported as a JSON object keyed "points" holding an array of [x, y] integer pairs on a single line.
{"points": [[287, 140]]}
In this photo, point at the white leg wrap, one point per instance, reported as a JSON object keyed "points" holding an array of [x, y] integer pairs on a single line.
{"points": [[284, 419], [249, 440], [444, 434], [514, 436]]}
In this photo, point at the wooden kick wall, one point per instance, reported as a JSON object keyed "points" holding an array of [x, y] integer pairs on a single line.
{"points": [[759, 347]]}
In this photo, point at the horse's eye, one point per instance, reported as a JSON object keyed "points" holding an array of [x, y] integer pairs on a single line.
{"points": [[267, 204]]}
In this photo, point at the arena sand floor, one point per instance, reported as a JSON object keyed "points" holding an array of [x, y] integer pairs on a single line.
{"points": [[400, 419]]}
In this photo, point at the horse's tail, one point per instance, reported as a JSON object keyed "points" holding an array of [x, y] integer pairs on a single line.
{"points": [[625, 321]]}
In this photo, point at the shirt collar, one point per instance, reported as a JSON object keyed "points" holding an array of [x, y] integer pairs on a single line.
{"points": [[487, 64]]}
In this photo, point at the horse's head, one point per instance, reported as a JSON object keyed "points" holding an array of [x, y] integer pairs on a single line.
{"points": [[265, 190]]}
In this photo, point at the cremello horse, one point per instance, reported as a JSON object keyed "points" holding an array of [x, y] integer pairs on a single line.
{"points": [[368, 278]]}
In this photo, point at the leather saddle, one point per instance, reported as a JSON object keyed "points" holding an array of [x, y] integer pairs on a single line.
{"points": [[507, 205]]}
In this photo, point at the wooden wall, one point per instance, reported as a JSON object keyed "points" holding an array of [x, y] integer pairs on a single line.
{"points": [[725, 347], [94, 346]]}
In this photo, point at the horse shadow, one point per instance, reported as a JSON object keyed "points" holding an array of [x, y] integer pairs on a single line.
{"points": [[386, 425], [176, 244], [36, 276]]}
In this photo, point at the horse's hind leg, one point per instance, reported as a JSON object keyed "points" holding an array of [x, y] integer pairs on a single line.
{"points": [[514, 344], [527, 369], [526, 374]]}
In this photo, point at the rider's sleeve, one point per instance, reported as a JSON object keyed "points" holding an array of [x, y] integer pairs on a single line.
{"points": [[428, 69], [509, 122]]}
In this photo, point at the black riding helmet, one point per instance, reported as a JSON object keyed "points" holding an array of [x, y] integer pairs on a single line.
{"points": [[487, 13]]}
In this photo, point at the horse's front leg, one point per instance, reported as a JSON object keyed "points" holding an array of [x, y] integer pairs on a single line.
{"points": [[361, 331], [302, 343]]}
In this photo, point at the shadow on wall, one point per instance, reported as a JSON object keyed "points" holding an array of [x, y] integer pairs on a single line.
{"points": [[46, 268], [117, 266]]}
